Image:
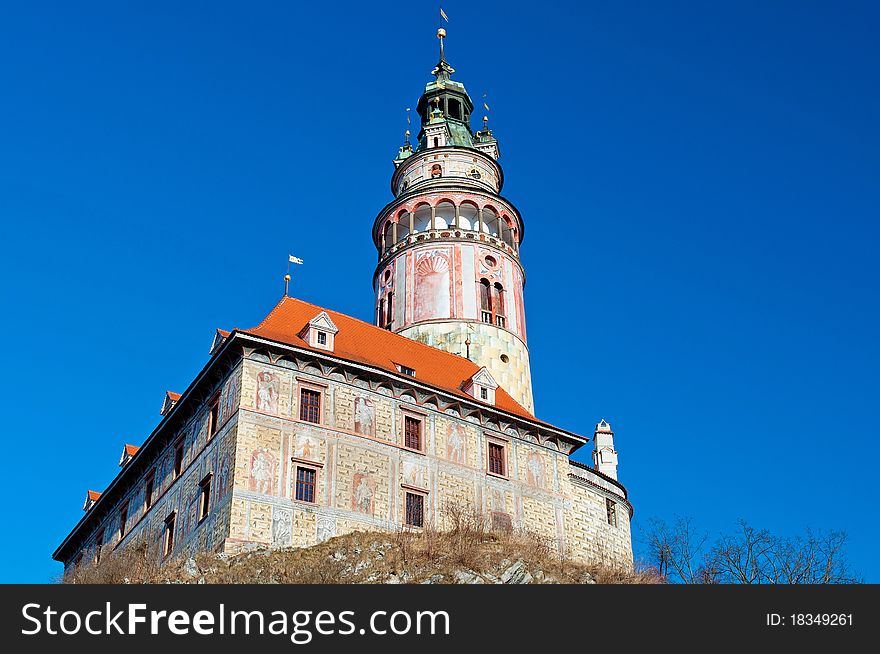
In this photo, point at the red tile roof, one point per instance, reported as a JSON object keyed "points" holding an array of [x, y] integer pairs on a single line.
{"points": [[93, 495], [172, 395], [131, 450], [361, 342]]}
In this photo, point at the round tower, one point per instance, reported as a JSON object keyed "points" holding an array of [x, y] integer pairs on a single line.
{"points": [[449, 273]]}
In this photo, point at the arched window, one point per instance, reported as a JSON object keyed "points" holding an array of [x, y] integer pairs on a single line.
{"points": [[490, 222], [386, 236], [444, 215], [402, 225], [389, 305], [467, 217], [498, 304], [422, 218], [508, 231], [492, 303], [436, 169], [485, 290]]}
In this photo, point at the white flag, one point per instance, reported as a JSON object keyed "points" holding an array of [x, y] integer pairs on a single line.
{"points": [[293, 259]]}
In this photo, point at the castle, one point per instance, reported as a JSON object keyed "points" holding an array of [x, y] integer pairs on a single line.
{"points": [[314, 424]]}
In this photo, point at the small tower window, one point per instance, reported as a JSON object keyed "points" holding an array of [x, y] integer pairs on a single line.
{"points": [[611, 512], [454, 108], [473, 173], [436, 169]]}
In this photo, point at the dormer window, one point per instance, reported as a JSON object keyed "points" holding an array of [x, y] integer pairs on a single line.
{"points": [[405, 370], [320, 332], [481, 386]]}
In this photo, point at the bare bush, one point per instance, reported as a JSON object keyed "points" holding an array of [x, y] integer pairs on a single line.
{"points": [[748, 556]]}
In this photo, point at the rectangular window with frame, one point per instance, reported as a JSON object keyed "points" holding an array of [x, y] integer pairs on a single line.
{"points": [[322, 338], [415, 510], [204, 497], [149, 487], [123, 519], [611, 512], [497, 459], [306, 484], [412, 433], [214, 417], [168, 535], [310, 405], [99, 545]]}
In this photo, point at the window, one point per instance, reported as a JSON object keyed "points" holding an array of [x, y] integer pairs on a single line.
{"points": [[148, 490], [389, 317], [168, 535], [496, 459], [492, 303], [178, 459], [473, 173], [214, 417], [611, 512], [305, 484], [415, 510], [412, 433], [484, 393], [204, 497], [405, 370], [310, 405], [436, 169], [322, 338], [380, 312], [99, 545], [123, 518]]}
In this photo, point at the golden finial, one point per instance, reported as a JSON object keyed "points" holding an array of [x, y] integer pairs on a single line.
{"points": [[286, 284], [441, 33]]}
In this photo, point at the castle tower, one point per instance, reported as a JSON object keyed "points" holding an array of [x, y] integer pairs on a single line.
{"points": [[604, 454], [449, 273]]}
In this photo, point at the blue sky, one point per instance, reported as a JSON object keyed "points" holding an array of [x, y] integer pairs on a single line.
{"points": [[699, 183]]}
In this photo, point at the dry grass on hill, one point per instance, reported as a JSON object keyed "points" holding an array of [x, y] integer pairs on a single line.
{"points": [[468, 552]]}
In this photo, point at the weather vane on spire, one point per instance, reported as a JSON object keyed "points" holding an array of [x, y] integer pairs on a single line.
{"points": [[290, 259], [443, 70]]}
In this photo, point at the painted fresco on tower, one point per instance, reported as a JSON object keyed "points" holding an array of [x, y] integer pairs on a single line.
{"points": [[262, 478], [267, 392], [364, 416], [363, 491], [432, 285]]}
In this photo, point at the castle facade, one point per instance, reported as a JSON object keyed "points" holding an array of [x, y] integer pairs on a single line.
{"points": [[314, 424]]}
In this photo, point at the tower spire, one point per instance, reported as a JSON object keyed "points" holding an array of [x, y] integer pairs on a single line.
{"points": [[442, 71]]}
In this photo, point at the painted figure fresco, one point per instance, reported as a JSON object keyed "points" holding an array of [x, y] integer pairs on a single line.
{"points": [[230, 398], [432, 285], [535, 469], [306, 448], [412, 474], [282, 527], [455, 443], [223, 478], [267, 392], [362, 493], [364, 416], [262, 479]]}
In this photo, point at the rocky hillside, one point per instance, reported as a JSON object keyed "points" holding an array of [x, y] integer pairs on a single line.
{"points": [[466, 554]]}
